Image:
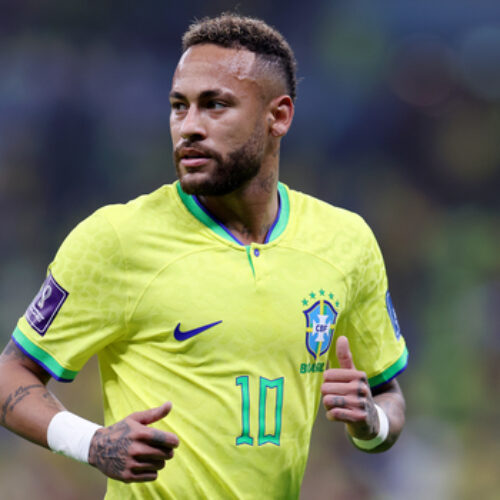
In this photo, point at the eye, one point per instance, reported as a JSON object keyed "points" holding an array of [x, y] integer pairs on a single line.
{"points": [[178, 106], [216, 105]]}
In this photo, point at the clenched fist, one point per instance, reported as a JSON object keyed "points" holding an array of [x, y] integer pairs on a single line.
{"points": [[347, 397], [129, 450]]}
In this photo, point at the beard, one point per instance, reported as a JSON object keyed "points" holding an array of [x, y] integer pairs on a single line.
{"points": [[230, 172]]}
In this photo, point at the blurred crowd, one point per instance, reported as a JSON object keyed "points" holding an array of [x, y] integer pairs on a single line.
{"points": [[397, 118]]}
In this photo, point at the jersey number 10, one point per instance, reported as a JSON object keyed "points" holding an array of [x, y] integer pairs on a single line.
{"points": [[265, 385]]}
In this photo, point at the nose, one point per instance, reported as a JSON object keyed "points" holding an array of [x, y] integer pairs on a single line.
{"points": [[192, 125]]}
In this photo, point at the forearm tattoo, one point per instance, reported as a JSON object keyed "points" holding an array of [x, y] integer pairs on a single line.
{"points": [[14, 398], [110, 448]]}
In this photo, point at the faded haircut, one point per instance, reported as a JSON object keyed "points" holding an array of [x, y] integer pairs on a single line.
{"points": [[235, 32]]}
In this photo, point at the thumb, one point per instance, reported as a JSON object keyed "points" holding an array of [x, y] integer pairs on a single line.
{"points": [[152, 415], [344, 353]]}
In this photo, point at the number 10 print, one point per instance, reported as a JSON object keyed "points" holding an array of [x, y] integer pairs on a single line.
{"points": [[265, 385]]}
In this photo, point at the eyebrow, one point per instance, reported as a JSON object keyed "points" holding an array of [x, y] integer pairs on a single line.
{"points": [[206, 94]]}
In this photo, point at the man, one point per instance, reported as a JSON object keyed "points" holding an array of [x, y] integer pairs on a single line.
{"points": [[225, 293]]}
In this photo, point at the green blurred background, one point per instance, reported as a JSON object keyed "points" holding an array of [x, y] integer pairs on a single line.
{"points": [[398, 119]]}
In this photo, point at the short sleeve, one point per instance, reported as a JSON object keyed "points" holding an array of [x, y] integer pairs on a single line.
{"points": [[81, 306], [369, 321]]}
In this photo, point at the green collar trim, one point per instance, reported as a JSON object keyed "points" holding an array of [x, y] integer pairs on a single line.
{"points": [[203, 215], [283, 214]]}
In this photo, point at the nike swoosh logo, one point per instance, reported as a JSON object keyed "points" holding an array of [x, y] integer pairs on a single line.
{"points": [[179, 335]]}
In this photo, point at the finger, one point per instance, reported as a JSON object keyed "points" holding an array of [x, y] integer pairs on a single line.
{"points": [[142, 452], [155, 455], [163, 439], [140, 477], [344, 353], [335, 388], [152, 415], [357, 386], [344, 375], [345, 415], [144, 466], [348, 402], [154, 439], [339, 388]]}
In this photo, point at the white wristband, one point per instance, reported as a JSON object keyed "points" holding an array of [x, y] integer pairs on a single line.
{"points": [[71, 435], [383, 432]]}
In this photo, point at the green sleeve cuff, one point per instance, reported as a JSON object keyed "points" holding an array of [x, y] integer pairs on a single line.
{"points": [[41, 357], [389, 373]]}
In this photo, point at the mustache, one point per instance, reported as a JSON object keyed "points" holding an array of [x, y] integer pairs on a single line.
{"points": [[209, 153]]}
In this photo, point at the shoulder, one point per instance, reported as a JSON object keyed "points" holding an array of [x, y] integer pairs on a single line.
{"points": [[149, 213], [335, 235], [104, 231], [144, 210], [313, 215]]}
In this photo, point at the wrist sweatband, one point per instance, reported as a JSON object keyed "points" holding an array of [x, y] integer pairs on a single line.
{"points": [[383, 432], [71, 435]]}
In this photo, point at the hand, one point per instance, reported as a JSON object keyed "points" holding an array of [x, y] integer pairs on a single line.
{"points": [[347, 396], [129, 450]]}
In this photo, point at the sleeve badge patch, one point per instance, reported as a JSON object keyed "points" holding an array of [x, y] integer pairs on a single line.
{"points": [[46, 304], [392, 315]]}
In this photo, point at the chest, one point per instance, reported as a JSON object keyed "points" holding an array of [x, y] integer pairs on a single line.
{"points": [[215, 304]]}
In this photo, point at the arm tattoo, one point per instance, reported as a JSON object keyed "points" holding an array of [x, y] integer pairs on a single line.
{"points": [[111, 448], [14, 398]]}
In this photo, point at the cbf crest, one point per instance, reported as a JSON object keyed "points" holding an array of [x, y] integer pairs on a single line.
{"points": [[320, 321]]}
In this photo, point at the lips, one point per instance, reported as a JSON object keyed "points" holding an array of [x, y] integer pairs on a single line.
{"points": [[192, 157], [194, 161]]}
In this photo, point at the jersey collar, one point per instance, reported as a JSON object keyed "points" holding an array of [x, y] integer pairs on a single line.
{"points": [[193, 204]]}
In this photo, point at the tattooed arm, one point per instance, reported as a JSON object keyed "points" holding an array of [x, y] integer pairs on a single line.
{"points": [[347, 398], [26, 406], [129, 450]]}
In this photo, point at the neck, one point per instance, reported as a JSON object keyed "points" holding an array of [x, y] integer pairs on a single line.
{"points": [[250, 211]]}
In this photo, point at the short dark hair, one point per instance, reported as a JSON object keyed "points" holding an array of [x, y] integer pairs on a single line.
{"points": [[235, 31]]}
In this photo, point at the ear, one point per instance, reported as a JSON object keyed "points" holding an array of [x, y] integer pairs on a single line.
{"points": [[281, 115]]}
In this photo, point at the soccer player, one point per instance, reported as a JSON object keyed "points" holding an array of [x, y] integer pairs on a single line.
{"points": [[223, 308]]}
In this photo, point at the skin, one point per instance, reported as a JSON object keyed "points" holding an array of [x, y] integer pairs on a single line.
{"points": [[347, 398], [235, 111], [223, 100], [23, 393], [229, 114], [129, 451]]}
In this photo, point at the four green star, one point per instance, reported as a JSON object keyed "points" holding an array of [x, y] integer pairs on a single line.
{"points": [[322, 292]]}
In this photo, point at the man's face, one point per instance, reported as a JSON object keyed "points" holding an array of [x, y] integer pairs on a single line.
{"points": [[217, 120]]}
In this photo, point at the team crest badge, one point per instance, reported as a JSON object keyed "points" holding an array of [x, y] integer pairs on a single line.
{"points": [[320, 321]]}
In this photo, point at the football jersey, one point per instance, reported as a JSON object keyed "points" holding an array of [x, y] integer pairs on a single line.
{"points": [[236, 336]]}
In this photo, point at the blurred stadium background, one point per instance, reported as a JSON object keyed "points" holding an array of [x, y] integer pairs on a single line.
{"points": [[398, 118]]}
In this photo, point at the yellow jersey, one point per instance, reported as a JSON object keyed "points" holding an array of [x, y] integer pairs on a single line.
{"points": [[236, 336]]}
